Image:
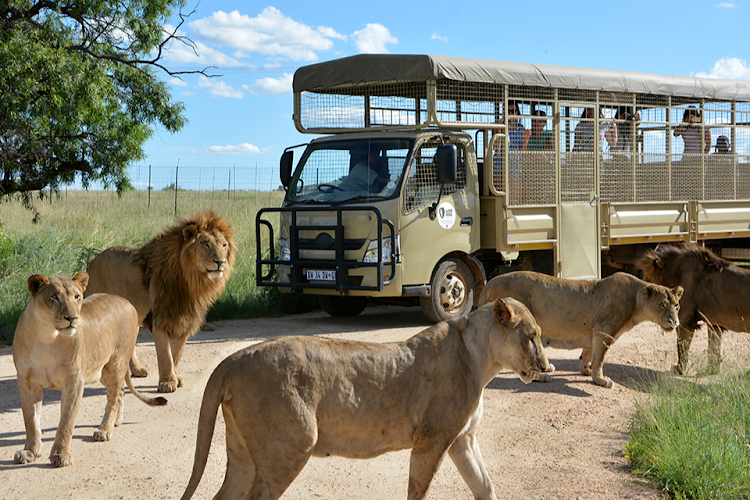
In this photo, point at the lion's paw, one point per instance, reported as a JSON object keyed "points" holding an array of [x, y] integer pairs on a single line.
{"points": [[25, 456], [550, 368], [605, 382], [586, 369], [139, 372], [168, 386], [102, 435], [180, 382], [207, 327], [61, 459]]}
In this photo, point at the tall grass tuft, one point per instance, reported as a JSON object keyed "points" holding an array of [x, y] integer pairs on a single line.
{"points": [[693, 440], [69, 231]]}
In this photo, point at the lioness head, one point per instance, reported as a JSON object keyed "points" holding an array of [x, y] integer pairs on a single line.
{"points": [[522, 347], [209, 248], [663, 305], [57, 300]]}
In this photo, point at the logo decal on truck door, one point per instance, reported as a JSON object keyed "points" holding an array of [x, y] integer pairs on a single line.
{"points": [[446, 215]]}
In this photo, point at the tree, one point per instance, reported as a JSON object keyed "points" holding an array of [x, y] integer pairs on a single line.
{"points": [[79, 90]]}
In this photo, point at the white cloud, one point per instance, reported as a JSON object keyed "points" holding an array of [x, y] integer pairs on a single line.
{"points": [[219, 88], [178, 81], [435, 36], [270, 33], [728, 67], [241, 149], [727, 5], [373, 38], [203, 55], [275, 86]]}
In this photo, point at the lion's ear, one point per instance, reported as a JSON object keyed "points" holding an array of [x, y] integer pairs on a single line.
{"points": [[658, 263], [82, 279], [503, 313], [189, 232], [650, 291], [678, 292], [36, 283]]}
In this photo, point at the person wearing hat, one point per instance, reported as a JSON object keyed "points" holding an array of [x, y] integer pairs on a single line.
{"points": [[722, 145]]}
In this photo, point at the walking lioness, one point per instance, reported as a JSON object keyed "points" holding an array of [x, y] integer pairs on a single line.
{"points": [[63, 342], [291, 398], [590, 315]]}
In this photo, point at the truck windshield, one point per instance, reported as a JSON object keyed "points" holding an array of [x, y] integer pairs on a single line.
{"points": [[341, 171]]}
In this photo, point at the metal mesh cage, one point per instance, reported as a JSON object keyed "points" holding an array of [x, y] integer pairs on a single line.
{"points": [[643, 147], [422, 187]]}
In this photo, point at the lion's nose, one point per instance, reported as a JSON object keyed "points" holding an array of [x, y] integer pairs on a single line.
{"points": [[70, 318]]}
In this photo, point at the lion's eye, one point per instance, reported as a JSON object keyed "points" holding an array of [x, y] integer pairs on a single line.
{"points": [[53, 298], [78, 297], [662, 307]]}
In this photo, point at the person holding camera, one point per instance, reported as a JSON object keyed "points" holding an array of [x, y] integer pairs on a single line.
{"points": [[690, 131], [626, 123], [584, 133]]}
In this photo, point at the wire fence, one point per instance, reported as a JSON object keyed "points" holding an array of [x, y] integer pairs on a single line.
{"points": [[258, 177], [184, 187]]}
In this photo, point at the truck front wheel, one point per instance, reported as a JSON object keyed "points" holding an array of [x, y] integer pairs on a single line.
{"points": [[452, 292], [336, 305]]}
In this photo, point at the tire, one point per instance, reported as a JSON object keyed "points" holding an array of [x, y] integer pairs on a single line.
{"points": [[452, 292], [342, 306]]}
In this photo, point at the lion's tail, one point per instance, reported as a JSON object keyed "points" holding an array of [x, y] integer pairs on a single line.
{"points": [[160, 401], [212, 398]]}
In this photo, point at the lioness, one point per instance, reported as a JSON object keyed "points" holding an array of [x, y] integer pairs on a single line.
{"points": [[64, 342], [588, 314], [288, 399]]}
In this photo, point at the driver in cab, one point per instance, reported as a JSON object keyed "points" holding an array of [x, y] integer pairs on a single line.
{"points": [[367, 175]]}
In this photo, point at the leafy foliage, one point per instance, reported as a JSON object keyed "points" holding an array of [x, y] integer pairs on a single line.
{"points": [[79, 91]]}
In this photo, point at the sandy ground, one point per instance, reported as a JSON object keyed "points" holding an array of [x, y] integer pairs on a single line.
{"points": [[560, 440]]}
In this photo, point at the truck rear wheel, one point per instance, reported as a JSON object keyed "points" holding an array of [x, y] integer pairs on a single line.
{"points": [[338, 306], [452, 292]]}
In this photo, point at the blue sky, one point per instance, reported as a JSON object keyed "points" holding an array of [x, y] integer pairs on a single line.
{"points": [[243, 117]]}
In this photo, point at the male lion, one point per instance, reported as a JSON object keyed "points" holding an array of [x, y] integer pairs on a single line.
{"points": [[715, 291], [288, 399], [64, 342], [588, 314], [172, 281]]}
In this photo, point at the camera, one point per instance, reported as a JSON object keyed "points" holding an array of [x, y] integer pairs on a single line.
{"points": [[631, 117]]}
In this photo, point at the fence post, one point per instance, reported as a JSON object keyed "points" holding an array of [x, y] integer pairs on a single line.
{"points": [[149, 186], [229, 186], [176, 172]]}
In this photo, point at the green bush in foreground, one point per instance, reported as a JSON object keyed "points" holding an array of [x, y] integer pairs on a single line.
{"points": [[693, 440]]}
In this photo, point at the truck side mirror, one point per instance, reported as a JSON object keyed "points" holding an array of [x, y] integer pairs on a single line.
{"points": [[285, 168], [447, 164]]}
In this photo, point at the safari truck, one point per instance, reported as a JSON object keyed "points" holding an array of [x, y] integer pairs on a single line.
{"points": [[430, 174]]}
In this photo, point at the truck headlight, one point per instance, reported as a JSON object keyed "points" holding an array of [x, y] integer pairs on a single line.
{"points": [[371, 255], [284, 252]]}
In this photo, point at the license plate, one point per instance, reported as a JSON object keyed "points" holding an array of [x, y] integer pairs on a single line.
{"points": [[314, 275]]}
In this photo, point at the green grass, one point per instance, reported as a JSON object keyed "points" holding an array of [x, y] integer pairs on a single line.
{"points": [[71, 230], [693, 440]]}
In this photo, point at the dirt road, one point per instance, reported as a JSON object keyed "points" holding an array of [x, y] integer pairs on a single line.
{"points": [[560, 440]]}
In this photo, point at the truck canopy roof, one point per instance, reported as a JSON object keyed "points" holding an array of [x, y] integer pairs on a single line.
{"points": [[367, 68]]}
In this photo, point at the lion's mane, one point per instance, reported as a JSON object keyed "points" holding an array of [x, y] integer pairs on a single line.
{"points": [[183, 291]]}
